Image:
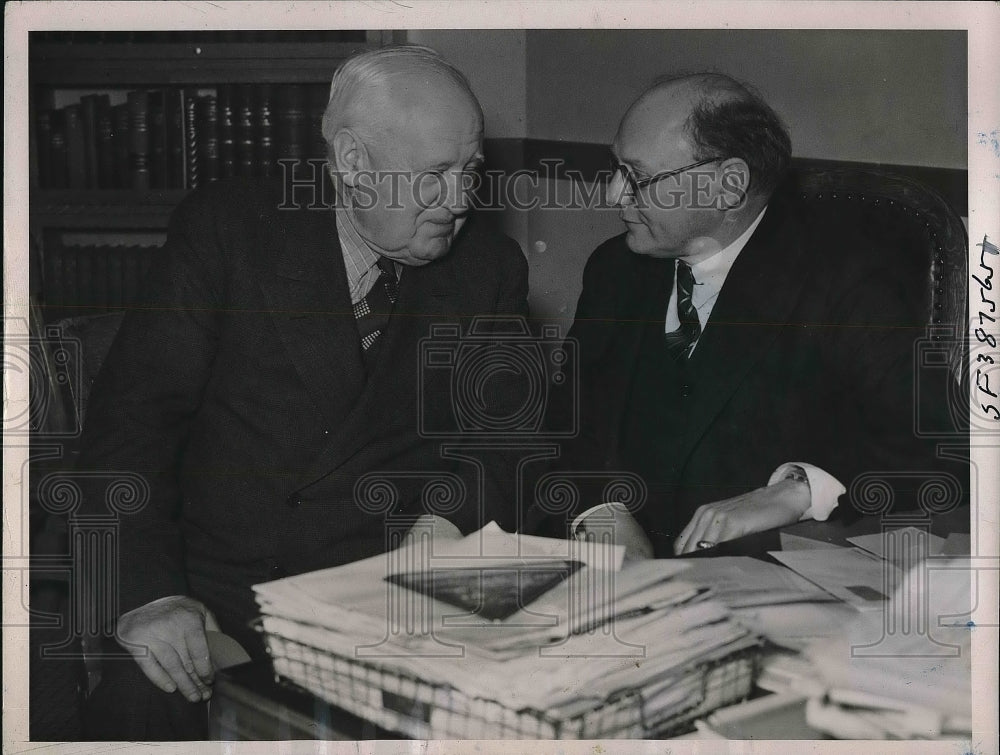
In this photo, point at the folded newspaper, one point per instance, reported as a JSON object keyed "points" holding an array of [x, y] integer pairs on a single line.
{"points": [[523, 622]]}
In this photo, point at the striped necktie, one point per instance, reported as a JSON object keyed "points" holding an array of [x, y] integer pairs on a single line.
{"points": [[680, 341]]}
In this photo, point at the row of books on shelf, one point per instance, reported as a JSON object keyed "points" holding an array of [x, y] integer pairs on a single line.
{"points": [[178, 138], [86, 280]]}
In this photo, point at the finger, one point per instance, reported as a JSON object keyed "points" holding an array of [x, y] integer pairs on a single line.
{"points": [[685, 537], [197, 648], [155, 673], [187, 683], [715, 528], [698, 529]]}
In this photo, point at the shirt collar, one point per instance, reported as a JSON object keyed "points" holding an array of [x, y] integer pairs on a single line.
{"points": [[714, 269], [357, 253]]}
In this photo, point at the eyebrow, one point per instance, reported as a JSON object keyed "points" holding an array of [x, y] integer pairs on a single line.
{"points": [[477, 159], [637, 164]]}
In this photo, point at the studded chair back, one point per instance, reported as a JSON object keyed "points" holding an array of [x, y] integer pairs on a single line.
{"points": [[924, 237]]}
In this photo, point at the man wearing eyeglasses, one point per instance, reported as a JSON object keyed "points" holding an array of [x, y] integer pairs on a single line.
{"points": [[745, 366]]}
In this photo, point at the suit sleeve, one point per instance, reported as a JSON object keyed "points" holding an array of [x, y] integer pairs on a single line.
{"points": [[145, 398], [510, 284], [578, 402]]}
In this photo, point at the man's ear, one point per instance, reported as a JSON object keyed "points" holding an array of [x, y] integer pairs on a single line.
{"points": [[349, 155], [734, 185]]}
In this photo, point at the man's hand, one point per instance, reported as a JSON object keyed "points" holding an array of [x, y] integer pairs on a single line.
{"points": [[171, 631], [761, 509]]}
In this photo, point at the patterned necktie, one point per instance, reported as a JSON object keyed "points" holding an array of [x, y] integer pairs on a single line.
{"points": [[372, 312], [680, 341]]}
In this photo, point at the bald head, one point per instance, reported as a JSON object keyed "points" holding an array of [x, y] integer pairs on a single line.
{"points": [[378, 93], [711, 115]]}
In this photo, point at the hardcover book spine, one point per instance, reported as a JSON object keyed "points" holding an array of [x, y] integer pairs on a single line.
{"points": [[100, 283], [227, 131], [290, 126], [115, 300], [83, 299], [120, 144], [131, 275], [265, 131], [43, 141], [58, 152], [158, 172], [54, 281], [175, 138], [75, 151], [138, 107], [105, 145], [209, 162], [246, 158], [191, 142], [88, 119], [70, 295]]}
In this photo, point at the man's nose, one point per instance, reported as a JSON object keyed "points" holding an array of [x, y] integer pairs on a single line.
{"points": [[458, 193], [618, 193]]}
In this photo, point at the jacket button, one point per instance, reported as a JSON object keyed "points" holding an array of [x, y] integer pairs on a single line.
{"points": [[277, 571], [685, 390], [293, 500]]}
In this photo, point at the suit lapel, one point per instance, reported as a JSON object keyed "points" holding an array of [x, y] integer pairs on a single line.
{"points": [[306, 289], [755, 304], [426, 294]]}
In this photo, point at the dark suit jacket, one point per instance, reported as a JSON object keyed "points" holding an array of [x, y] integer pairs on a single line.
{"points": [[807, 357], [240, 393]]}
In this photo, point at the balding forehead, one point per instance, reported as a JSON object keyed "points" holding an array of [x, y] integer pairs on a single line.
{"points": [[399, 98]]}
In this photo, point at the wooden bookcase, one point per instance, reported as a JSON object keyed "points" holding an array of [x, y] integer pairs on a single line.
{"points": [[183, 59], [74, 63]]}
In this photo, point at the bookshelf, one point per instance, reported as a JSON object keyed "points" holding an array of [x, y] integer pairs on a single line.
{"points": [[105, 196]]}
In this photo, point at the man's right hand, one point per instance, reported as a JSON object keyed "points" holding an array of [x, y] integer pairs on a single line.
{"points": [[167, 640]]}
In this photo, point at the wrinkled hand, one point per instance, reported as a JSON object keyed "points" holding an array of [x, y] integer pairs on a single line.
{"points": [[167, 640], [761, 509]]}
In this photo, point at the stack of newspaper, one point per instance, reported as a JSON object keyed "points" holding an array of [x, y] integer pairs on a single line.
{"points": [[502, 635]]}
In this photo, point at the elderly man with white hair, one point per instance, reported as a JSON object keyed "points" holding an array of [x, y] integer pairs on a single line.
{"points": [[277, 366]]}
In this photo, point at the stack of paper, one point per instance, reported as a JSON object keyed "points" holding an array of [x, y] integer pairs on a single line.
{"points": [[901, 668], [426, 611]]}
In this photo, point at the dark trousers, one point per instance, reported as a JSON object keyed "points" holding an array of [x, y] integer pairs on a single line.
{"points": [[126, 706]]}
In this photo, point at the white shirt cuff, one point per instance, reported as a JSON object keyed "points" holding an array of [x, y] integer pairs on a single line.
{"points": [[610, 507], [824, 489]]}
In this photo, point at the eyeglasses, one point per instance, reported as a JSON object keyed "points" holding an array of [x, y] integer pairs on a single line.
{"points": [[634, 184]]}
